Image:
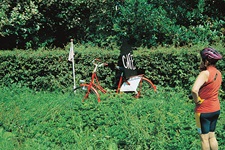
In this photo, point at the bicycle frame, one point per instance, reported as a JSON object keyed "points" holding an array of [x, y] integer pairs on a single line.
{"points": [[97, 84], [120, 83], [94, 83]]}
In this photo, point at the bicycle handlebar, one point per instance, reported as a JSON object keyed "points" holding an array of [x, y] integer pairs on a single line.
{"points": [[99, 63]]}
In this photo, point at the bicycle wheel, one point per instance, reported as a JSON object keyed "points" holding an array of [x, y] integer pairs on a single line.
{"points": [[87, 93], [145, 88]]}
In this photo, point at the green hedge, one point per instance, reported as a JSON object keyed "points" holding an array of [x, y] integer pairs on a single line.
{"points": [[51, 70]]}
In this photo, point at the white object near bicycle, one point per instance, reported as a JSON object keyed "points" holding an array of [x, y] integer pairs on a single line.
{"points": [[83, 81], [131, 84]]}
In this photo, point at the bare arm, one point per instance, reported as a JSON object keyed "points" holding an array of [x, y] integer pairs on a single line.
{"points": [[200, 80]]}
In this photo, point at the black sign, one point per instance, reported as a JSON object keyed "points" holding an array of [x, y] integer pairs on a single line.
{"points": [[126, 59]]}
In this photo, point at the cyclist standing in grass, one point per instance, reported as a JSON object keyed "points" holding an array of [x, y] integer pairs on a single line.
{"points": [[205, 94]]}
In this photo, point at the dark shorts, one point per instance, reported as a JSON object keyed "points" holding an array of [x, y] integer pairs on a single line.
{"points": [[206, 122]]}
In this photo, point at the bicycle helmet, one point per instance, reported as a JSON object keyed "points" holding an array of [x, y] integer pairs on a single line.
{"points": [[210, 54]]}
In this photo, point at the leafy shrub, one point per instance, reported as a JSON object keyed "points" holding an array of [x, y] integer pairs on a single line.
{"points": [[149, 23], [50, 70]]}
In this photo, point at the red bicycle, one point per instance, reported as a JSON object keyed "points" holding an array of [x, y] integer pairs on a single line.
{"points": [[139, 85]]}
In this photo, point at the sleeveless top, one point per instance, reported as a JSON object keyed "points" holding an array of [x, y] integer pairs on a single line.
{"points": [[209, 92]]}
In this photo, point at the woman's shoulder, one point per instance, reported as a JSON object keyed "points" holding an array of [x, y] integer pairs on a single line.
{"points": [[205, 75], [205, 72]]}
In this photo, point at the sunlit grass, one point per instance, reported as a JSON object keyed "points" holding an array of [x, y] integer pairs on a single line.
{"points": [[52, 120]]}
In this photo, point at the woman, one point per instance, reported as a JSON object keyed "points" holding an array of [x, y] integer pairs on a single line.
{"points": [[205, 94]]}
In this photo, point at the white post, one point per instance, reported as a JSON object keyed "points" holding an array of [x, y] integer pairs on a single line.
{"points": [[71, 58], [74, 81]]}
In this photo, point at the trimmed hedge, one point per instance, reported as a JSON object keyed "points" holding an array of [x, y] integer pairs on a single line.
{"points": [[51, 70]]}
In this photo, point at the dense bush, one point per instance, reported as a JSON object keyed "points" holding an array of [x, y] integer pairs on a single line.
{"points": [[48, 23], [50, 70]]}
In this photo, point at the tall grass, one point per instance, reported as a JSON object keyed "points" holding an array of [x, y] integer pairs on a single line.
{"points": [[44, 120]]}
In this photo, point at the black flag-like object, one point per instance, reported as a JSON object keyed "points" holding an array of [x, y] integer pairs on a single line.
{"points": [[126, 59]]}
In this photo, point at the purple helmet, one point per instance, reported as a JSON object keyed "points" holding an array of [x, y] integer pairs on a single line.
{"points": [[210, 54]]}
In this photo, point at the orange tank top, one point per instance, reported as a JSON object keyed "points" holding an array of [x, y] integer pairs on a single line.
{"points": [[209, 92]]}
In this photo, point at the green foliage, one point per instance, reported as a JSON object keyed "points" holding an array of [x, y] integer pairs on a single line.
{"points": [[147, 24], [50, 70], [173, 67], [44, 120], [20, 25], [35, 24], [37, 70]]}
